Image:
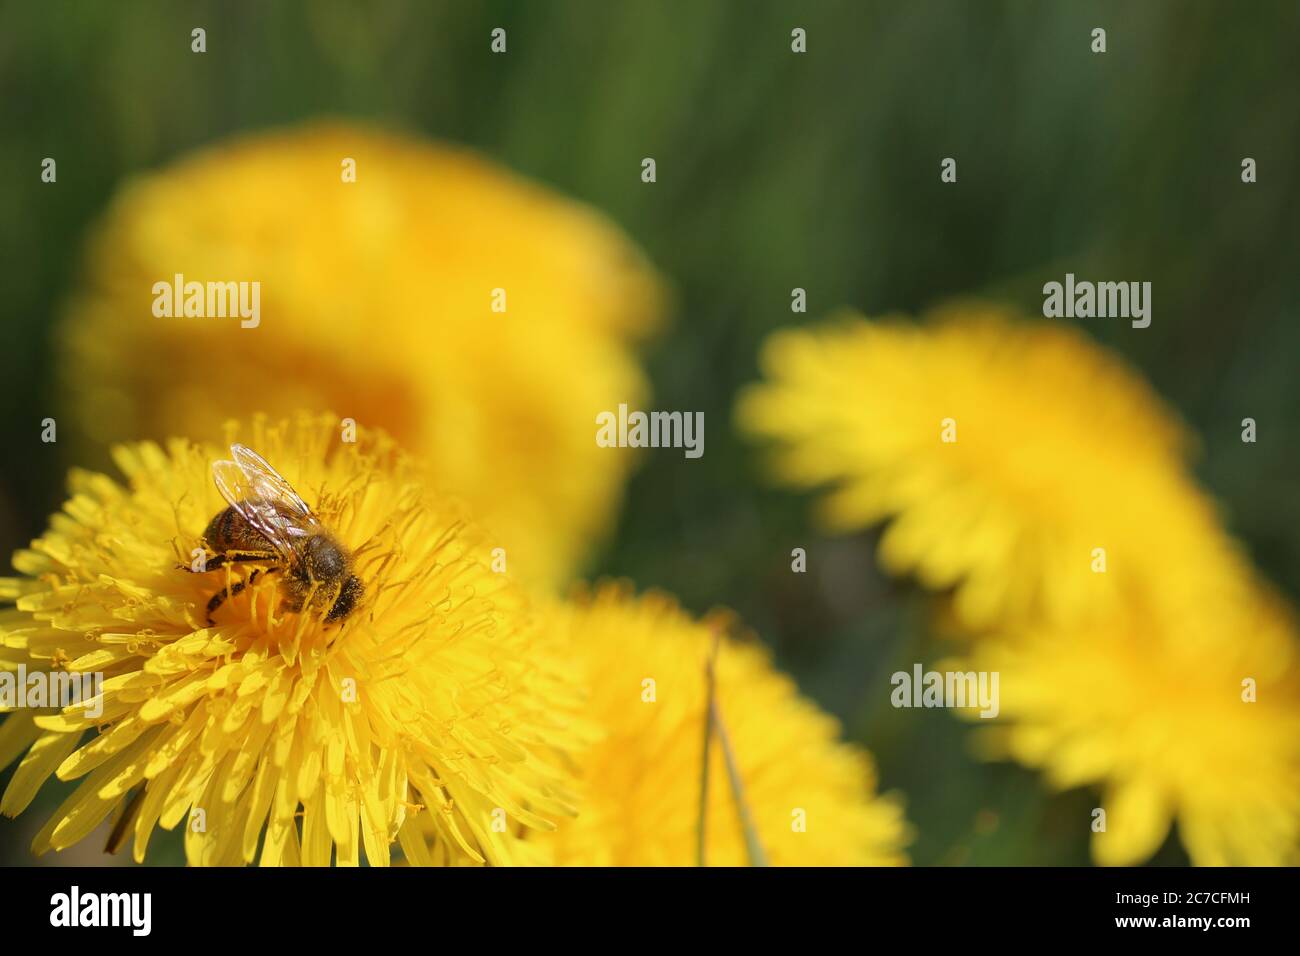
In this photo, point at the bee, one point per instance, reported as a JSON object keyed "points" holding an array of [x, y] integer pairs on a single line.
{"points": [[267, 523]]}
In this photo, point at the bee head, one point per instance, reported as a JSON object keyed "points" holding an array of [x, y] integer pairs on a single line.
{"points": [[324, 559]]}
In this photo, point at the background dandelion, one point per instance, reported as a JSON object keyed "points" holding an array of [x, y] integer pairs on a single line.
{"points": [[809, 799], [480, 319], [1036, 484]]}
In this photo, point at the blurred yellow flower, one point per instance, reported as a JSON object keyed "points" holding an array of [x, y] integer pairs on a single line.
{"points": [[379, 299], [1194, 719], [811, 798], [1013, 459], [436, 705], [1016, 463]]}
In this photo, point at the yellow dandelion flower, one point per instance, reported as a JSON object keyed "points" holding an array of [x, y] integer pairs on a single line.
{"points": [[436, 703], [1014, 460], [811, 798], [1194, 719], [479, 319]]}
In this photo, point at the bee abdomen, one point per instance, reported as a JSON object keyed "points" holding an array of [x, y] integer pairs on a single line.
{"points": [[229, 531]]}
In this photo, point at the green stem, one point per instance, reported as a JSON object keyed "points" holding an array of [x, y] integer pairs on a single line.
{"points": [[713, 723], [700, 832], [752, 846]]}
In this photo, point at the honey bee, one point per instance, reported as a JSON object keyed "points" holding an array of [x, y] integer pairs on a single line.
{"points": [[267, 523]]}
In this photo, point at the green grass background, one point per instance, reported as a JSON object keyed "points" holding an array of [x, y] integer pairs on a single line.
{"points": [[774, 171]]}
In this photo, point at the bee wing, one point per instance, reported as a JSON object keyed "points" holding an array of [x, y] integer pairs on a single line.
{"points": [[263, 498], [268, 483]]}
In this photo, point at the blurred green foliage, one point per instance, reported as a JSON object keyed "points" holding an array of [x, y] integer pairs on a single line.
{"points": [[774, 170]]}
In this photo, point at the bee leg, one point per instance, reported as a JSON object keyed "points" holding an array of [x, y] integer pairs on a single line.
{"points": [[230, 557], [220, 598], [233, 590], [346, 600]]}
